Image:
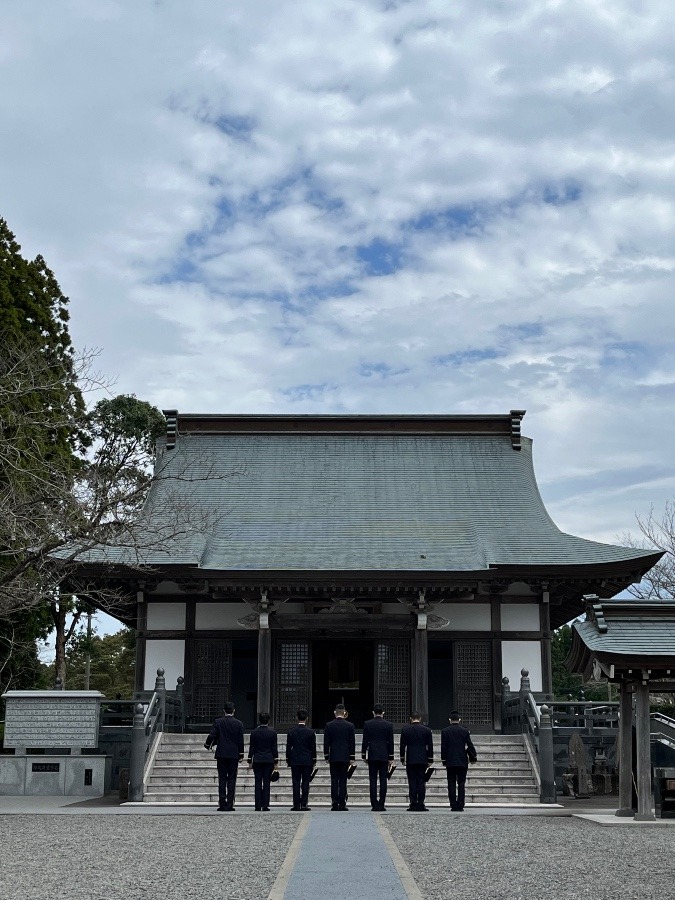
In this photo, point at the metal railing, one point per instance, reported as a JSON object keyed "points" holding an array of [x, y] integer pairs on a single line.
{"points": [[662, 729]]}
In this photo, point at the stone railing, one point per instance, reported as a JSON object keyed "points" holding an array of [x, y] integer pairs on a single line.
{"points": [[159, 713]]}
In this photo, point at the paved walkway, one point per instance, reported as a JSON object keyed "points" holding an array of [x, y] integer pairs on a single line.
{"points": [[330, 848]]}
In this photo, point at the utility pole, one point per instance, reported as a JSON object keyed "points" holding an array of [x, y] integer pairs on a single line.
{"points": [[87, 663]]}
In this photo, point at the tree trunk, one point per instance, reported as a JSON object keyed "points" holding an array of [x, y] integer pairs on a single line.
{"points": [[62, 634]]}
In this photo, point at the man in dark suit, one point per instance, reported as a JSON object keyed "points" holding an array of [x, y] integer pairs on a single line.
{"points": [[301, 757], [227, 733], [263, 757], [339, 750], [377, 747], [457, 751], [417, 753]]}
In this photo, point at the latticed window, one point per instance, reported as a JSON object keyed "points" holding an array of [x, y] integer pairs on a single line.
{"points": [[392, 677], [473, 680], [292, 680], [213, 675]]}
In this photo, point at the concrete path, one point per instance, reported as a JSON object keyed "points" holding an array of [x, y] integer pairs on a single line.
{"points": [[333, 851]]}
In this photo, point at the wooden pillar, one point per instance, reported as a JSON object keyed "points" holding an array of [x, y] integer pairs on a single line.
{"points": [[264, 699], [645, 811], [421, 674], [625, 751], [546, 662]]}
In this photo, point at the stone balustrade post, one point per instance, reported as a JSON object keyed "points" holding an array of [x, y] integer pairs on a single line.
{"points": [[506, 696], [546, 760], [137, 755], [160, 689], [522, 693], [180, 699]]}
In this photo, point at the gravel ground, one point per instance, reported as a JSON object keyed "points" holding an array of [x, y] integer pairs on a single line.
{"points": [[148, 857], [500, 858]]}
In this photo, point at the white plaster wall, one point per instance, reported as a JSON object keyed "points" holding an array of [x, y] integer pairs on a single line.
{"points": [[220, 616], [164, 654], [465, 616], [520, 617], [166, 616], [517, 655]]}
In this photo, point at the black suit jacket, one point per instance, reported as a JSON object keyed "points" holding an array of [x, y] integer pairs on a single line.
{"points": [[301, 746], [339, 741], [227, 734], [378, 740], [263, 745], [417, 744], [456, 746]]}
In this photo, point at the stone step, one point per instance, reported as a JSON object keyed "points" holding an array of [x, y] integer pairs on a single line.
{"points": [[177, 774], [324, 802], [184, 772]]}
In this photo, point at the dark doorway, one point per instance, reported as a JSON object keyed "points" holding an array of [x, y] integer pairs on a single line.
{"points": [[342, 672], [440, 683], [244, 679]]}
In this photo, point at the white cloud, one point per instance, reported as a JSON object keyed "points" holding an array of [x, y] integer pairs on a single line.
{"points": [[367, 206]]}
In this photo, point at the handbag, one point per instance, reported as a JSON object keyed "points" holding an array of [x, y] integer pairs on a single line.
{"points": [[275, 775]]}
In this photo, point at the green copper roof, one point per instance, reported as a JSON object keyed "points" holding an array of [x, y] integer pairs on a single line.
{"points": [[388, 501], [625, 633]]}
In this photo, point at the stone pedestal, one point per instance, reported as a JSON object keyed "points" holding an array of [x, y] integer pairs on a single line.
{"points": [[56, 721]]}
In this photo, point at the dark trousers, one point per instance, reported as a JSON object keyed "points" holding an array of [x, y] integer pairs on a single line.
{"points": [[300, 780], [262, 772], [456, 782], [417, 786], [338, 783], [227, 780], [377, 771]]}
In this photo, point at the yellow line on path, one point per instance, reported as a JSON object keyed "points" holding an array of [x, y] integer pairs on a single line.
{"points": [[402, 870], [279, 887]]}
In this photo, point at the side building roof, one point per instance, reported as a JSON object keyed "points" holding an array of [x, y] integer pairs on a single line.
{"points": [[622, 635]]}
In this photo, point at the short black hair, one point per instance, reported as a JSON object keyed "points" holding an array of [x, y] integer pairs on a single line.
{"points": [[302, 715], [263, 718], [415, 715], [455, 716], [229, 706], [339, 707], [378, 709]]}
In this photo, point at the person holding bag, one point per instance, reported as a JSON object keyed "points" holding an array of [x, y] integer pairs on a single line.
{"points": [[263, 758], [457, 751]]}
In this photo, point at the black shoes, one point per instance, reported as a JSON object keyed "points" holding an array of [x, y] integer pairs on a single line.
{"points": [[335, 808], [305, 808], [296, 809]]}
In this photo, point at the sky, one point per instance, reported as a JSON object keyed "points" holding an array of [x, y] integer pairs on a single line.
{"points": [[367, 206]]}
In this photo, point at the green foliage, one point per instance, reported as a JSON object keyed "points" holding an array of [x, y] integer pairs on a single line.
{"points": [[20, 667], [566, 685], [113, 658]]}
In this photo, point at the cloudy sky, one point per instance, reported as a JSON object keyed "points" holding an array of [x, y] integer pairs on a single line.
{"points": [[350, 206]]}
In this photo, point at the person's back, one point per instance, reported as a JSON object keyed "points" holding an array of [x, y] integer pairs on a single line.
{"points": [[378, 740], [416, 744], [456, 745], [301, 746], [339, 740], [263, 745], [227, 733]]}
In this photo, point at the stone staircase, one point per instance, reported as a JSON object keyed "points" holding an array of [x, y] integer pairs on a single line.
{"points": [[184, 772]]}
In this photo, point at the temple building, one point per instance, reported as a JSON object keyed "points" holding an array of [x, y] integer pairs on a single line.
{"points": [[290, 561]]}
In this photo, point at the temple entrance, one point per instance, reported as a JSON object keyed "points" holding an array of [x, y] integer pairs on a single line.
{"points": [[342, 672], [440, 682]]}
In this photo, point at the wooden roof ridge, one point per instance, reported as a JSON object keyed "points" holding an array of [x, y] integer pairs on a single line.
{"points": [[504, 424]]}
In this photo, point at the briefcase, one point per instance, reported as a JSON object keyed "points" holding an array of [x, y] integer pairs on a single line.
{"points": [[351, 768], [390, 771], [275, 775], [429, 772]]}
